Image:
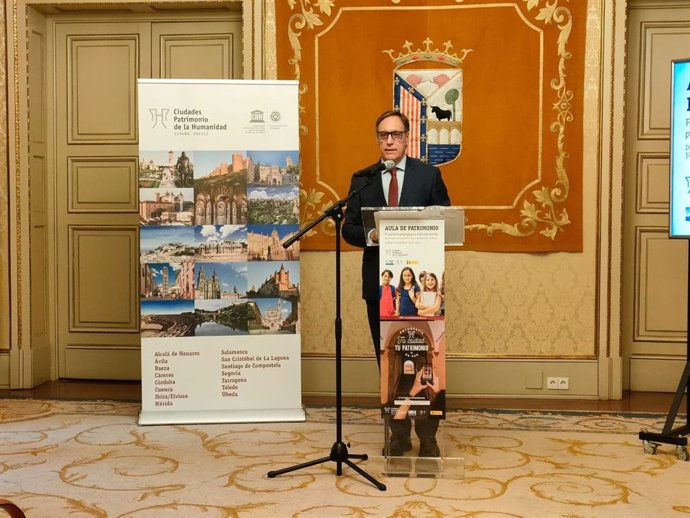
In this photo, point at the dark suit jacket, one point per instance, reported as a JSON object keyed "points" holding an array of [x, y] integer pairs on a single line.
{"points": [[423, 186]]}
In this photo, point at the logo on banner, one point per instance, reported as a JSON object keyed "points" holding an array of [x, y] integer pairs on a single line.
{"points": [[159, 115], [256, 116], [431, 99]]}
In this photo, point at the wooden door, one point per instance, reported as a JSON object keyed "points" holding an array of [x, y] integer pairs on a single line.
{"points": [[96, 67], [654, 267], [40, 205]]}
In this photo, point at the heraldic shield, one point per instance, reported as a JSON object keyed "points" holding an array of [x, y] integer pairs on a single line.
{"points": [[432, 100]]}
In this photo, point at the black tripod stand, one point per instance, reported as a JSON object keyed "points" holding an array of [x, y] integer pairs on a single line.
{"points": [[339, 453]]}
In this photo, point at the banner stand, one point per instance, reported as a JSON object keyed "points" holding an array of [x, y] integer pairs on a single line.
{"points": [[223, 416], [219, 175]]}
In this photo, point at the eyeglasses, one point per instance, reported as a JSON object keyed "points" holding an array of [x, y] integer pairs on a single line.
{"points": [[383, 135]]}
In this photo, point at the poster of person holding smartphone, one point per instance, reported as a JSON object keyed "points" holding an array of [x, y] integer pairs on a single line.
{"points": [[413, 369]]}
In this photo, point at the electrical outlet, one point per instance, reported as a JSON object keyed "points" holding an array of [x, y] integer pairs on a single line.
{"points": [[553, 383]]}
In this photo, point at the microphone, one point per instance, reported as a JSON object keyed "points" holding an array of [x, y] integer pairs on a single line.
{"points": [[373, 169]]}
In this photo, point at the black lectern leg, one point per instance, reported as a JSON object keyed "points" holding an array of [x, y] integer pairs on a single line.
{"points": [[339, 453], [670, 435]]}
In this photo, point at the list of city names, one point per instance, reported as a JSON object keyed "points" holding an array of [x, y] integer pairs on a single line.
{"points": [[237, 366], [237, 363], [164, 366]]}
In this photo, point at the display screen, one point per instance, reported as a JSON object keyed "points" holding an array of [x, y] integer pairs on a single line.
{"points": [[679, 214]]}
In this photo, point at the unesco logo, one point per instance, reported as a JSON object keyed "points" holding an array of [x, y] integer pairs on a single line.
{"points": [[257, 116]]}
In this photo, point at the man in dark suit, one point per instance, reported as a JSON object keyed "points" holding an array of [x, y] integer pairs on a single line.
{"points": [[411, 183]]}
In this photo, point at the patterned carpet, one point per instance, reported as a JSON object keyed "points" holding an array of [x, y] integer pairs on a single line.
{"points": [[90, 459]]}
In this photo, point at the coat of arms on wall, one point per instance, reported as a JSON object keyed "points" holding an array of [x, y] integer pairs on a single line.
{"points": [[432, 100]]}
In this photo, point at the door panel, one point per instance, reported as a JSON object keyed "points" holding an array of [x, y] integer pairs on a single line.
{"points": [[205, 50], [104, 184], [40, 281], [654, 327], [100, 68], [96, 67], [96, 172], [99, 250]]}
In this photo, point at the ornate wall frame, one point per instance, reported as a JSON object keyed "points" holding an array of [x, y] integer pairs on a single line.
{"points": [[543, 212]]}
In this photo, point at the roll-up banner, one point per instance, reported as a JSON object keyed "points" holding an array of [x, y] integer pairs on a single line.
{"points": [[412, 313], [218, 193]]}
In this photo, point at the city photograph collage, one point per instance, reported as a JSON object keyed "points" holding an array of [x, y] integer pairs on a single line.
{"points": [[212, 224]]}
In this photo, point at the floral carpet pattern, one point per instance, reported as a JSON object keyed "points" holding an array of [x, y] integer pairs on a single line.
{"points": [[91, 459]]}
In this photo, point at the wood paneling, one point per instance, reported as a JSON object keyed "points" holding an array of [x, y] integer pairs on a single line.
{"points": [[653, 183], [103, 279], [662, 291], [37, 81], [102, 184], [96, 67], [655, 267], [662, 41], [41, 279], [208, 50], [39, 286], [102, 68]]}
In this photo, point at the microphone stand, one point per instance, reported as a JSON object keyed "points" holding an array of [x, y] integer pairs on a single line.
{"points": [[339, 453]]}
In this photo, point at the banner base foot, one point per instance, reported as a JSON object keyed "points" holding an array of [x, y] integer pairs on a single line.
{"points": [[222, 416]]}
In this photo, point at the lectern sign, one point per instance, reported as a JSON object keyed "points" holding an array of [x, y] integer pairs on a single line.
{"points": [[412, 307], [219, 192]]}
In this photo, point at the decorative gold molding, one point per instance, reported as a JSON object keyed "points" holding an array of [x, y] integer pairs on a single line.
{"points": [[17, 176], [270, 54], [310, 201], [312, 205], [5, 251], [548, 198]]}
